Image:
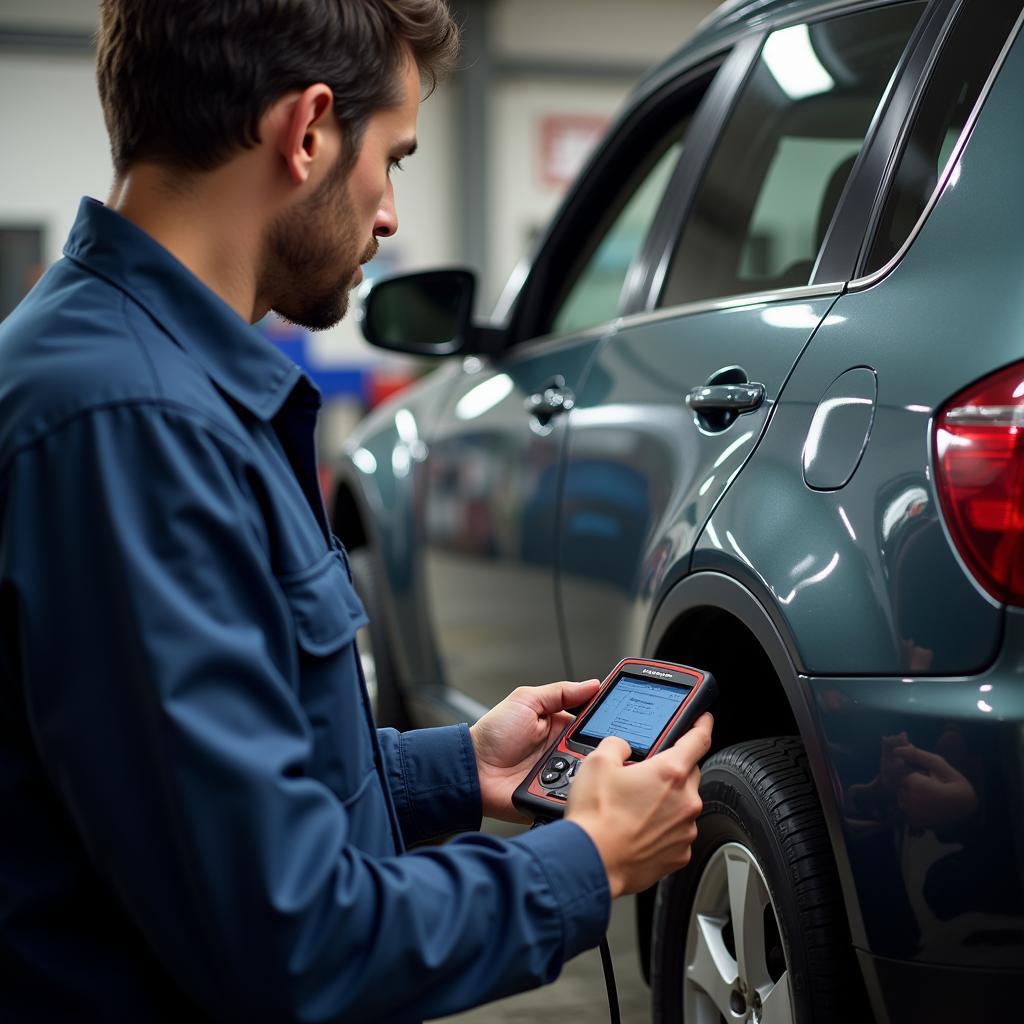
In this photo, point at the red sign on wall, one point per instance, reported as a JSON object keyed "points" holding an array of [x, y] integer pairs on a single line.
{"points": [[566, 141]]}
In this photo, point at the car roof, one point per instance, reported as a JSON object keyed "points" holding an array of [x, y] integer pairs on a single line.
{"points": [[733, 18], [751, 13]]}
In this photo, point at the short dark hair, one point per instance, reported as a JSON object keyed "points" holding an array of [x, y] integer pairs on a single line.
{"points": [[185, 82]]}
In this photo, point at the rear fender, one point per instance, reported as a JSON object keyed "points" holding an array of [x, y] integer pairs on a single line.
{"points": [[715, 593]]}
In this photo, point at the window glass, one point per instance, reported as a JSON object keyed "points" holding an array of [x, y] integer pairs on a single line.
{"points": [[767, 200], [594, 296], [956, 82]]}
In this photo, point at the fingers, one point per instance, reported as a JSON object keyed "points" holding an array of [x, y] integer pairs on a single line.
{"points": [[554, 697], [612, 748], [925, 760], [694, 744]]}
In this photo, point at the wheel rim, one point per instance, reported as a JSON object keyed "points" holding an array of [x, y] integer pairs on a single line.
{"points": [[735, 960]]}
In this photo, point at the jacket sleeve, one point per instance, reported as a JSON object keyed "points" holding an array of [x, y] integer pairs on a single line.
{"points": [[433, 780], [156, 652]]}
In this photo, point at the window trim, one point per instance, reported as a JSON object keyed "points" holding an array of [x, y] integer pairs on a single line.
{"points": [[858, 207], [742, 301], [530, 304], [842, 246], [646, 278], [862, 281]]}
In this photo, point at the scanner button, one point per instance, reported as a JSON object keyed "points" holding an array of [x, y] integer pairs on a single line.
{"points": [[557, 764], [551, 778], [559, 795]]}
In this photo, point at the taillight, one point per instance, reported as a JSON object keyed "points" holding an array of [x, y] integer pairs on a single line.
{"points": [[979, 458]]}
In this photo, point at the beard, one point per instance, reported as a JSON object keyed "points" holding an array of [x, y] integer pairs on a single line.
{"points": [[311, 256]]}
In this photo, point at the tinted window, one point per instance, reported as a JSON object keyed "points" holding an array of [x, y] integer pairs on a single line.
{"points": [[594, 297], [956, 81], [767, 200], [584, 267]]}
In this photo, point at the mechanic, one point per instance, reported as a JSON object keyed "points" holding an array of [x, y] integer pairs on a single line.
{"points": [[200, 820]]}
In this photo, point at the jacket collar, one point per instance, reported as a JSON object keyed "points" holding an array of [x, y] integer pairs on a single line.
{"points": [[235, 356]]}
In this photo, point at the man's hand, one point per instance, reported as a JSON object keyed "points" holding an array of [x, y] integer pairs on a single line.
{"points": [[641, 817], [510, 737], [933, 793]]}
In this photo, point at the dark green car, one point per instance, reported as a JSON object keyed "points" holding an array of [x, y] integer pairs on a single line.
{"points": [[756, 406]]}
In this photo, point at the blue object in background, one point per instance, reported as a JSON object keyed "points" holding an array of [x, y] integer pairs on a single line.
{"points": [[293, 341]]}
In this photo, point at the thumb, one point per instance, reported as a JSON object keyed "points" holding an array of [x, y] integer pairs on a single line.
{"points": [[555, 697], [695, 742], [612, 749]]}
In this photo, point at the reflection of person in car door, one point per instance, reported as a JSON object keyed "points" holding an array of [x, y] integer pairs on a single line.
{"points": [[201, 821]]}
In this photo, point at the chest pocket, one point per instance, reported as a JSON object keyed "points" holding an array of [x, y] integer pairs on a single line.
{"points": [[325, 606], [327, 613]]}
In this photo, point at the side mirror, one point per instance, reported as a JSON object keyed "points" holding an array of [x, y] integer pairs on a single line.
{"points": [[423, 314]]}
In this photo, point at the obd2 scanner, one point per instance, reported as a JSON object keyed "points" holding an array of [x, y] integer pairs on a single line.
{"points": [[649, 704]]}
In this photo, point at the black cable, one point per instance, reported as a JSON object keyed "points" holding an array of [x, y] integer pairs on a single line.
{"points": [[609, 981], [606, 962]]}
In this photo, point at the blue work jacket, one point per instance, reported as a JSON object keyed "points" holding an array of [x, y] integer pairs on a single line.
{"points": [[199, 819]]}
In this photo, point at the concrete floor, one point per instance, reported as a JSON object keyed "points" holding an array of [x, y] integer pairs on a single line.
{"points": [[580, 991]]}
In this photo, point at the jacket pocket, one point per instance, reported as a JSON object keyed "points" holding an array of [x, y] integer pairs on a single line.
{"points": [[326, 609]]}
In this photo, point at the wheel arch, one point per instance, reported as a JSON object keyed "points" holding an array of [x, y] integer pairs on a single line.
{"points": [[713, 621]]}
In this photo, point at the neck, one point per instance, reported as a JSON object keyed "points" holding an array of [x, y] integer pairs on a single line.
{"points": [[206, 222]]}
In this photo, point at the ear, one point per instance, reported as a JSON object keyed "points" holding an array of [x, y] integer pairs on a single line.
{"points": [[303, 129]]}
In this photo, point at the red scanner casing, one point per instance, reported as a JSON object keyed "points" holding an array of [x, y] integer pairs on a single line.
{"points": [[539, 800]]}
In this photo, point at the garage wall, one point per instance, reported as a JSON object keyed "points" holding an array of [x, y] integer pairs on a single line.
{"points": [[54, 143], [636, 32]]}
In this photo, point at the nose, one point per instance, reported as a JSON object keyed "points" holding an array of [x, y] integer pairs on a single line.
{"points": [[385, 223]]}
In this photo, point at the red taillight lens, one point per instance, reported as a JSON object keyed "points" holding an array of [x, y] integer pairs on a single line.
{"points": [[979, 459]]}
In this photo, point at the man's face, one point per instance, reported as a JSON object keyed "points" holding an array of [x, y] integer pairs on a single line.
{"points": [[316, 251]]}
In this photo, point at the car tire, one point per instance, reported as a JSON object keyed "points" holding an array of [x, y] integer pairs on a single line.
{"points": [[754, 929], [374, 645]]}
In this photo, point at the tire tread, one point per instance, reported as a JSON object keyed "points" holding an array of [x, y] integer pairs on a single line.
{"points": [[776, 772]]}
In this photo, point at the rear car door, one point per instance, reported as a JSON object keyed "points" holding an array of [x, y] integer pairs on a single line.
{"points": [[729, 294]]}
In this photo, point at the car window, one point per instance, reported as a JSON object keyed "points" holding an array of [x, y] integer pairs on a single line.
{"points": [[765, 205], [582, 272], [953, 88], [594, 296]]}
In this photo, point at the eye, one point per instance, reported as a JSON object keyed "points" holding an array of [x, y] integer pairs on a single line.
{"points": [[394, 165]]}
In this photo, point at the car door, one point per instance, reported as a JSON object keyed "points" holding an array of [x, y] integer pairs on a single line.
{"points": [[679, 394], [491, 499]]}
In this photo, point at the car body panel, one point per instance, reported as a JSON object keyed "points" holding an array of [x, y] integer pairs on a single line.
{"points": [[939, 866], [900, 602], [642, 474], [490, 520], [896, 600], [382, 473]]}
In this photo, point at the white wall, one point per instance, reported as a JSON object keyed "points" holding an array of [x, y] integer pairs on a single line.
{"points": [[54, 143], [627, 31], [75, 15], [522, 202]]}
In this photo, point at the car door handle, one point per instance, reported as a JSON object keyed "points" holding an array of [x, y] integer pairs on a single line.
{"points": [[735, 398], [553, 400]]}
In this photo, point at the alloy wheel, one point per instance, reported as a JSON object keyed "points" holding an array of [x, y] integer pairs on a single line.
{"points": [[735, 961]]}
